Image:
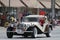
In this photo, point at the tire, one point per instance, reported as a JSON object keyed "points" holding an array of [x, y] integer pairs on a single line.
{"points": [[51, 27], [48, 33], [34, 34], [9, 34], [25, 35]]}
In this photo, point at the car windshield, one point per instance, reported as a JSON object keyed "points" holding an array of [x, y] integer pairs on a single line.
{"points": [[30, 19]]}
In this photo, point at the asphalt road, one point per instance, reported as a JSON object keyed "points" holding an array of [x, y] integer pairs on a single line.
{"points": [[55, 35]]}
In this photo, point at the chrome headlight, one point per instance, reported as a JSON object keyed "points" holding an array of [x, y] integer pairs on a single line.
{"points": [[12, 25]]}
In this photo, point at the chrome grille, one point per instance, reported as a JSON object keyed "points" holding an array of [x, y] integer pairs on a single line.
{"points": [[21, 26]]}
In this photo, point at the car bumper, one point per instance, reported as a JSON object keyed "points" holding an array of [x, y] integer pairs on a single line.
{"points": [[20, 33]]}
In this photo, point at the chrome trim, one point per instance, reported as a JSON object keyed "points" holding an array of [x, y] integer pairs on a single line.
{"points": [[23, 31]]}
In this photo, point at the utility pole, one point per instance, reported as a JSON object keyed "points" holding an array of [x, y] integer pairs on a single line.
{"points": [[9, 3], [9, 6], [53, 8]]}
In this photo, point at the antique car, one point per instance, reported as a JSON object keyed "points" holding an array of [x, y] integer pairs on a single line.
{"points": [[31, 25]]}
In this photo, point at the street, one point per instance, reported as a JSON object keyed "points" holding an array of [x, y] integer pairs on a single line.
{"points": [[55, 35]]}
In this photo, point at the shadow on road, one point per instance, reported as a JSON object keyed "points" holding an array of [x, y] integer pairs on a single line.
{"points": [[29, 37]]}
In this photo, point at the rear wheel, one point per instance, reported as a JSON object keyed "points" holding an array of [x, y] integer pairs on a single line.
{"points": [[48, 33], [51, 27]]}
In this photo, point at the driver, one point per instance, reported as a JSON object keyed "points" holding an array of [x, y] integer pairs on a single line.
{"points": [[42, 21]]}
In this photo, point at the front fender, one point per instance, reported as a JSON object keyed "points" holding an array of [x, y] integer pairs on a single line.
{"points": [[30, 28], [10, 29]]}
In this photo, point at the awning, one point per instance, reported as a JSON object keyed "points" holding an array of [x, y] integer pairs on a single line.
{"points": [[16, 3], [29, 3], [48, 4], [50, 0], [13, 3], [0, 5], [5, 2], [33, 3], [58, 3]]}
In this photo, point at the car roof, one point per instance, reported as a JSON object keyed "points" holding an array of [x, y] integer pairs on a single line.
{"points": [[36, 16]]}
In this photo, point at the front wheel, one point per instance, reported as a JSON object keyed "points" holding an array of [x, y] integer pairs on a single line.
{"points": [[9, 34], [34, 35]]}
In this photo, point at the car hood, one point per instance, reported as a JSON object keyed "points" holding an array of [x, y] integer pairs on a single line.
{"points": [[37, 24]]}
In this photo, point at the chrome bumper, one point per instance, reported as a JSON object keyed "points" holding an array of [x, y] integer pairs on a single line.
{"points": [[22, 32]]}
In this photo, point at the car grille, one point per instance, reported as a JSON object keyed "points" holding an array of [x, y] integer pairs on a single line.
{"points": [[21, 26]]}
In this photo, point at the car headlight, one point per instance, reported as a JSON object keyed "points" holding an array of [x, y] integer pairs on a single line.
{"points": [[12, 25]]}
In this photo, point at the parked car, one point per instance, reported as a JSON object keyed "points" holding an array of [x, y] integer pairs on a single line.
{"points": [[31, 25]]}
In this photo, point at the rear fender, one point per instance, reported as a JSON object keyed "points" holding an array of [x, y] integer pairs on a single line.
{"points": [[47, 28], [51, 27]]}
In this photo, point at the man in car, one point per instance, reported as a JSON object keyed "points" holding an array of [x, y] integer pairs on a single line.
{"points": [[42, 21]]}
